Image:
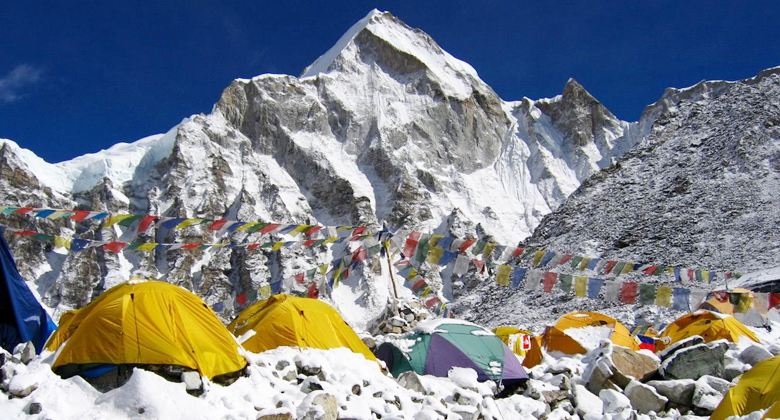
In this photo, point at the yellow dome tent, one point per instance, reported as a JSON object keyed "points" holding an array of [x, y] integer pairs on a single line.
{"points": [[757, 389], [284, 320], [556, 339], [709, 325], [145, 323]]}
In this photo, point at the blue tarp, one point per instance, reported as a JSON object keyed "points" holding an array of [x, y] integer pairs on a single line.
{"points": [[22, 318]]}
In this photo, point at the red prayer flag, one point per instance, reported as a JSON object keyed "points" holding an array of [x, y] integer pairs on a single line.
{"points": [[23, 210], [300, 277], [691, 274], [313, 292], [411, 244], [774, 300], [517, 252], [466, 244], [549, 281], [218, 224], [312, 230], [610, 265], [241, 299], [479, 264], [253, 246], [360, 254], [432, 301], [145, 222], [190, 246], [115, 247], [565, 259], [309, 242], [358, 231], [628, 292], [269, 227], [79, 215]]}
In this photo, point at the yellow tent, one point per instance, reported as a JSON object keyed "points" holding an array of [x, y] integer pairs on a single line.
{"points": [[709, 325], [556, 339], [757, 389], [513, 337], [284, 320], [145, 323]]}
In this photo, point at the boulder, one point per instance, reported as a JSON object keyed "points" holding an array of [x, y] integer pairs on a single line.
{"points": [[754, 354], [644, 398], [614, 402], [695, 361], [411, 381], [280, 416], [192, 381], [678, 391], [637, 365], [26, 352], [688, 342], [318, 405], [708, 393], [35, 408], [587, 403]]}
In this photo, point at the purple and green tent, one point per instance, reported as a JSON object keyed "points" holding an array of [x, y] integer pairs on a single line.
{"points": [[439, 345]]}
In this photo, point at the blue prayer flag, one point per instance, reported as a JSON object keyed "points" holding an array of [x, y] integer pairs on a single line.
{"points": [[78, 244], [594, 286], [546, 258], [172, 223], [518, 273], [677, 277], [447, 256], [593, 263], [680, 296], [276, 288]]}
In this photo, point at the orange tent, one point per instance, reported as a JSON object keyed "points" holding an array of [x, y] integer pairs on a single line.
{"points": [[556, 337]]}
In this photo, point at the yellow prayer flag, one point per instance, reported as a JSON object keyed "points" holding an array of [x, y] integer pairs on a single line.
{"points": [[264, 292], [240, 228], [584, 264], [60, 242], [488, 250], [502, 278], [149, 246], [298, 229], [323, 268], [277, 246], [745, 303], [117, 218], [434, 240], [435, 254], [581, 286], [663, 296], [629, 267], [538, 255]]}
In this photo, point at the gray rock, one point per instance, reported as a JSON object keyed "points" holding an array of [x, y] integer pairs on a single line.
{"points": [[708, 394], [369, 342], [599, 378], [27, 353], [695, 361], [678, 391], [754, 354], [674, 347], [35, 408], [283, 416], [411, 381], [191, 380], [318, 406], [467, 412], [644, 398], [614, 402]]}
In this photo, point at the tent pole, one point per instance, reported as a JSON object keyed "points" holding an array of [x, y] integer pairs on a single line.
{"points": [[392, 279]]}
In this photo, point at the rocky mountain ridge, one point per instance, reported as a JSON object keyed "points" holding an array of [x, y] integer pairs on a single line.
{"points": [[384, 127]]}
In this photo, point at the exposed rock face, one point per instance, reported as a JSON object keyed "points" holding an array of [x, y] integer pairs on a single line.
{"points": [[695, 362], [384, 127], [696, 189]]}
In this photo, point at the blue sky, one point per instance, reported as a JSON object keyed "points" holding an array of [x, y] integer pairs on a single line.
{"points": [[77, 78]]}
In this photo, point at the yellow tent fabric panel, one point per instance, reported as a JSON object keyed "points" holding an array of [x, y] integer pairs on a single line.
{"points": [[773, 412], [555, 339], [149, 322], [506, 333], [758, 389], [621, 336], [709, 325], [284, 320]]}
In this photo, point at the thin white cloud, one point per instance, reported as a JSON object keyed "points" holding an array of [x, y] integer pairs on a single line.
{"points": [[13, 83]]}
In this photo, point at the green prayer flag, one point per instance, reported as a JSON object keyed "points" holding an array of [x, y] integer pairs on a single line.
{"points": [[646, 294]]}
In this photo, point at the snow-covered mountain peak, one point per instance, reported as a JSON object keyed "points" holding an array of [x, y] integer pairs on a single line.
{"points": [[397, 46]]}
